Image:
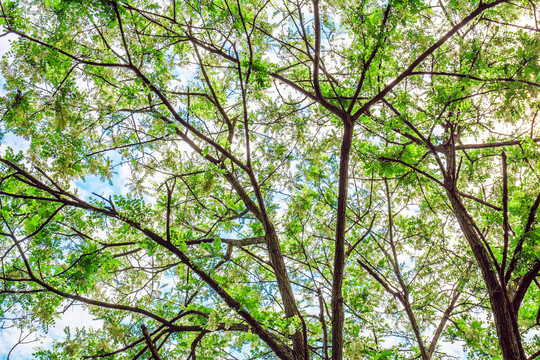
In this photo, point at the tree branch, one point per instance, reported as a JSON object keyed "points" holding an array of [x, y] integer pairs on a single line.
{"points": [[150, 343]]}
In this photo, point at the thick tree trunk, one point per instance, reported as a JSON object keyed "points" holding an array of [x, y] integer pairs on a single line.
{"points": [[501, 306], [507, 327], [339, 254]]}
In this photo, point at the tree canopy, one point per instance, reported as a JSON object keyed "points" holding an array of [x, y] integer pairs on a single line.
{"points": [[325, 179]]}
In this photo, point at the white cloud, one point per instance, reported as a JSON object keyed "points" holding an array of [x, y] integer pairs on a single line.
{"points": [[13, 141], [75, 317], [93, 184], [10, 337], [453, 349]]}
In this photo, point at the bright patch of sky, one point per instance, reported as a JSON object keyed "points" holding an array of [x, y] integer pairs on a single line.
{"points": [[75, 317], [16, 143], [92, 185]]}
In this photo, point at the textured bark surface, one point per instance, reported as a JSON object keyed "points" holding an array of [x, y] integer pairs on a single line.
{"points": [[339, 255], [501, 306], [300, 350]]}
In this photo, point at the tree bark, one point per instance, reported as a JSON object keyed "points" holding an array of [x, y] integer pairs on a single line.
{"points": [[338, 316], [299, 338], [501, 305]]}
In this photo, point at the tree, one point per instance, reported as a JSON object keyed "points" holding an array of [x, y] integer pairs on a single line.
{"points": [[314, 179]]}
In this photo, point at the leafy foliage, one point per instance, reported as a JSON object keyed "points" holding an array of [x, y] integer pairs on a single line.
{"points": [[337, 179]]}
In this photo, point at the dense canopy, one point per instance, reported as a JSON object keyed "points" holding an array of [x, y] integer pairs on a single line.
{"points": [[326, 179]]}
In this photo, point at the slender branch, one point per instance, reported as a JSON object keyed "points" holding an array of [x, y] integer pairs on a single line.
{"points": [[364, 235], [71, 56], [379, 279], [506, 225], [456, 293], [534, 356], [194, 343], [495, 144], [384, 158], [233, 242], [323, 324], [367, 64], [472, 77], [124, 42], [170, 191], [150, 343], [519, 246], [317, 60], [524, 285]]}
